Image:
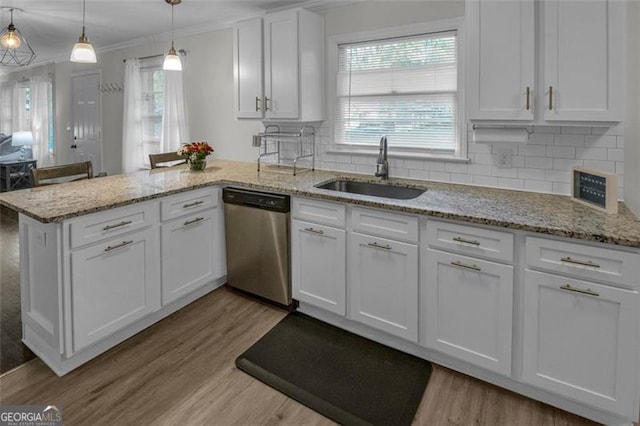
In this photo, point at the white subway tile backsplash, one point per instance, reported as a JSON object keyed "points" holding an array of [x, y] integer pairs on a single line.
{"points": [[615, 154], [591, 153], [543, 164], [564, 164], [606, 166], [569, 140], [561, 152], [601, 141], [538, 186]]}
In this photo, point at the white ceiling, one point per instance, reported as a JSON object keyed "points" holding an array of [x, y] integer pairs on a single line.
{"points": [[53, 26]]}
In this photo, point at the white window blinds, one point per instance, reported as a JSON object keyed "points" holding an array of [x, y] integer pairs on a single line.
{"points": [[404, 88]]}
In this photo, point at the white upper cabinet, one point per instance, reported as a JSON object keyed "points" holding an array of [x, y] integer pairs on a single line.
{"points": [[248, 61], [577, 77], [583, 60], [278, 66], [501, 58]]}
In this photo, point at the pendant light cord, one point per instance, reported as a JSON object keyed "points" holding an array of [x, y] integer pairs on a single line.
{"points": [[172, 5], [84, 7]]}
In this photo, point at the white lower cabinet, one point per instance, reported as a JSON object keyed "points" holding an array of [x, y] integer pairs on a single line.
{"points": [[318, 265], [113, 284], [190, 253], [468, 305], [581, 341], [383, 284]]}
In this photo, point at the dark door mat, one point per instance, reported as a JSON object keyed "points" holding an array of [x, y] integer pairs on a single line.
{"points": [[347, 378]]}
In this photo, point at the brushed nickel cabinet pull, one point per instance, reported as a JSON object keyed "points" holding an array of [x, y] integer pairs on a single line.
{"points": [[257, 103], [266, 104], [588, 291], [464, 265], [550, 98], [579, 262], [315, 231], [463, 240], [528, 98], [376, 245], [197, 219], [122, 244], [117, 225], [195, 203]]}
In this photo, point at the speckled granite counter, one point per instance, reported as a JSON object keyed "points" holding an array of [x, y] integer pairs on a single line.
{"points": [[543, 213]]}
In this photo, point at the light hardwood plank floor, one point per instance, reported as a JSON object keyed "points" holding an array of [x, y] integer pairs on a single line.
{"points": [[181, 372]]}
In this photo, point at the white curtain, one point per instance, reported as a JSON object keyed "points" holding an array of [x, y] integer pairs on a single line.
{"points": [[132, 149], [40, 112], [20, 122], [6, 107], [175, 129]]}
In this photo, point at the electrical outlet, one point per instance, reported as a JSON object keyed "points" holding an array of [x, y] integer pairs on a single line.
{"points": [[502, 157]]}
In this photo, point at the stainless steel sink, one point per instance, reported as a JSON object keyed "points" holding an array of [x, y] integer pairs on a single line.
{"points": [[374, 189]]}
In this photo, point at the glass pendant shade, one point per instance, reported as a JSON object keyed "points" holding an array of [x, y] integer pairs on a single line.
{"points": [[14, 48], [172, 61], [83, 51], [10, 39]]}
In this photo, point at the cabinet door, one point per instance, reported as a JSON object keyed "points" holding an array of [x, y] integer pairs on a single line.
{"points": [[190, 254], [247, 73], [583, 59], [318, 265], [113, 284], [281, 65], [501, 59], [581, 341], [383, 284], [469, 309]]}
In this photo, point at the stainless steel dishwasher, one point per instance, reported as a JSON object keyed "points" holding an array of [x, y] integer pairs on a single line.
{"points": [[257, 238]]}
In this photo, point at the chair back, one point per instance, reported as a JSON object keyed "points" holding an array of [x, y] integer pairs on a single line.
{"points": [[156, 160], [83, 170]]}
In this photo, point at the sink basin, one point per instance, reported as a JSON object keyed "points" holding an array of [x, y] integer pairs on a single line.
{"points": [[374, 189]]}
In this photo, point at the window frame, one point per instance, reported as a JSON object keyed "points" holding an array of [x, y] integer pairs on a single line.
{"points": [[333, 43], [150, 66]]}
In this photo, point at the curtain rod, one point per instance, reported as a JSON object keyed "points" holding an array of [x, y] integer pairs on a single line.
{"points": [[182, 52]]}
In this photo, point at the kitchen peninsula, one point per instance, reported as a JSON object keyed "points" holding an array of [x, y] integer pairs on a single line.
{"points": [[101, 262]]}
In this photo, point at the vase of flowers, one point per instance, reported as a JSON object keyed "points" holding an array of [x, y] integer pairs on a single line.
{"points": [[196, 155]]}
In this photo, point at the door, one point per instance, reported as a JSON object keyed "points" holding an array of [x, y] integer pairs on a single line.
{"points": [[581, 341], [248, 70], [383, 284], [318, 265], [583, 60], [501, 60], [190, 257], [281, 65], [469, 309], [113, 285], [86, 145]]}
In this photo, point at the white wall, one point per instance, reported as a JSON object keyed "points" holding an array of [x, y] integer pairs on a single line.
{"points": [[632, 147]]}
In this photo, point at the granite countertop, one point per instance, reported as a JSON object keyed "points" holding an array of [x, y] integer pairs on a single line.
{"points": [[543, 213]]}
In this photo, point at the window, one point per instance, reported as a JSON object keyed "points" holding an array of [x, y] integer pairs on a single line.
{"points": [[152, 80], [404, 87]]}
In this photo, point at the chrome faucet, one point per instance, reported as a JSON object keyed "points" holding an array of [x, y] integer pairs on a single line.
{"points": [[382, 165]]}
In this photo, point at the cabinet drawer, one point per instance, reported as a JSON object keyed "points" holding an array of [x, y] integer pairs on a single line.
{"points": [[188, 202], [384, 224], [592, 263], [470, 240], [111, 223], [323, 212]]}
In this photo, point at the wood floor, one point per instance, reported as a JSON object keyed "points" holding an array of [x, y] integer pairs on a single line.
{"points": [[181, 371], [12, 351]]}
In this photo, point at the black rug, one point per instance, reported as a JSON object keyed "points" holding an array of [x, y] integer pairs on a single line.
{"points": [[347, 378]]}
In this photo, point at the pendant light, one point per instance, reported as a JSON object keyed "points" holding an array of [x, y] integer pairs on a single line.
{"points": [[172, 61], [14, 48], [83, 50]]}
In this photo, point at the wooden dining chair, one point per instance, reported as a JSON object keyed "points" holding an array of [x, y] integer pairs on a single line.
{"points": [[157, 160], [75, 171]]}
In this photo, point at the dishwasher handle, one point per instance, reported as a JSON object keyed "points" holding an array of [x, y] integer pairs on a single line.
{"points": [[256, 199]]}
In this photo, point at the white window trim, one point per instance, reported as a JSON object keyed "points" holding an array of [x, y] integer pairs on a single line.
{"points": [[454, 24]]}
